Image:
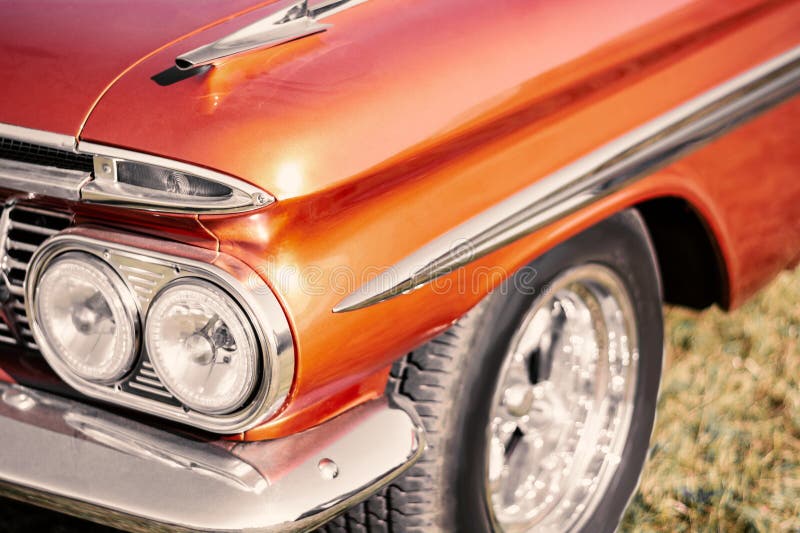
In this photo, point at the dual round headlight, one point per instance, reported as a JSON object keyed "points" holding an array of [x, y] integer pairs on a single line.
{"points": [[202, 346], [87, 317], [199, 340]]}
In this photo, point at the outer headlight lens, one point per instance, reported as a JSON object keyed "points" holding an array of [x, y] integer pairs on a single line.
{"points": [[87, 316], [202, 346]]}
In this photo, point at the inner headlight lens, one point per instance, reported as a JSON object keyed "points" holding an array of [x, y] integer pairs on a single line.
{"points": [[87, 316], [202, 346]]}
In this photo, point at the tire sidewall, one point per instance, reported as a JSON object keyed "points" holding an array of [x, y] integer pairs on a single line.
{"points": [[619, 243]]}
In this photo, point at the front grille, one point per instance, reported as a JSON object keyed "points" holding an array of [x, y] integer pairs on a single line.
{"points": [[145, 382], [24, 229], [43, 155]]}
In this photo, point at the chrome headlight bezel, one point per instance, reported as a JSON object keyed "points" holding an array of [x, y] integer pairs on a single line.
{"points": [[145, 273]]}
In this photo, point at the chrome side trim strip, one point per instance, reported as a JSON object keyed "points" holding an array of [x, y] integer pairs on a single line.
{"points": [[85, 461], [44, 138], [590, 178], [38, 179]]}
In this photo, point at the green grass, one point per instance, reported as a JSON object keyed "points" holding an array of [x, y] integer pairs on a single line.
{"points": [[725, 454]]}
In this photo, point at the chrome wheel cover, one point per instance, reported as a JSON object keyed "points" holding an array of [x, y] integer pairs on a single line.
{"points": [[563, 404]]}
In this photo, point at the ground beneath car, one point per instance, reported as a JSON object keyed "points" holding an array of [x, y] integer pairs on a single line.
{"points": [[726, 450]]}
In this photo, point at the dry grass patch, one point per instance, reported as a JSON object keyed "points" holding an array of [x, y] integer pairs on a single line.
{"points": [[725, 454]]}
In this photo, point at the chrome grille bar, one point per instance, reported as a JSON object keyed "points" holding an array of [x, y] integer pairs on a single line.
{"points": [[48, 181], [22, 230]]}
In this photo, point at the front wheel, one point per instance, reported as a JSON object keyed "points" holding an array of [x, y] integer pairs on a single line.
{"points": [[538, 404]]}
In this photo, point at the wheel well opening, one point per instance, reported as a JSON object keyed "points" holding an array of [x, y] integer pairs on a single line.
{"points": [[692, 269]]}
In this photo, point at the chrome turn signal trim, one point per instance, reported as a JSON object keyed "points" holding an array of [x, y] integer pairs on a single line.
{"points": [[107, 189], [101, 185], [145, 273]]}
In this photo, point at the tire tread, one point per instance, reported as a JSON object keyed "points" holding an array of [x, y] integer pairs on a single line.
{"points": [[426, 378]]}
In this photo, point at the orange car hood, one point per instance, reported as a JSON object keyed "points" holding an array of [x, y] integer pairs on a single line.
{"points": [[58, 57], [326, 110], [363, 105]]}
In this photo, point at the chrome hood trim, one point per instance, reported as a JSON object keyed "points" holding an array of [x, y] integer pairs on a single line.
{"points": [[85, 461], [289, 20], [591, 178], [103, 188]]}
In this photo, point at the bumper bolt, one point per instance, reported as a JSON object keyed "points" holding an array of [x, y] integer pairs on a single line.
{"points": [[328, 469]]}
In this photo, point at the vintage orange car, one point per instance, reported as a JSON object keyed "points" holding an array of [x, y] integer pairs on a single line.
{"points": [[386, 265]]}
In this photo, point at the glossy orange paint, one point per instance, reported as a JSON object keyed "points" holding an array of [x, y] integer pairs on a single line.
{"points": [[60, 55], [407, 118], [752, 212], [368, 223]]}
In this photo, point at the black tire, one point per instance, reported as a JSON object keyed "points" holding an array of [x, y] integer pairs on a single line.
{"points": [[451, 380]]}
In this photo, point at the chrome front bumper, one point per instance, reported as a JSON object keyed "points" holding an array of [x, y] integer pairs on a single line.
{"points": [[97, 465]]}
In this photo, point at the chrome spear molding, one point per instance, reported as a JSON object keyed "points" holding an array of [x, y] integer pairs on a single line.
{"points": [[288, 21], [590, 178]]}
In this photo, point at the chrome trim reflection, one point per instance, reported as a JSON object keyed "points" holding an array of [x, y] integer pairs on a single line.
{"points": [[260, 305], [105, 188], [47, 181], [44, 138], [9, 328], [88, 462], [590, 178], [325, 8], [102, 187], [208, 461], [288, 20]]}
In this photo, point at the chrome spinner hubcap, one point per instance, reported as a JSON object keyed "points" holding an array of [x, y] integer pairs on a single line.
{"points": [[563, 404]]}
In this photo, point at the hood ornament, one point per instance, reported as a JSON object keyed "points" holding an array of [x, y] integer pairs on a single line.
{"points": [[290, 20]]}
